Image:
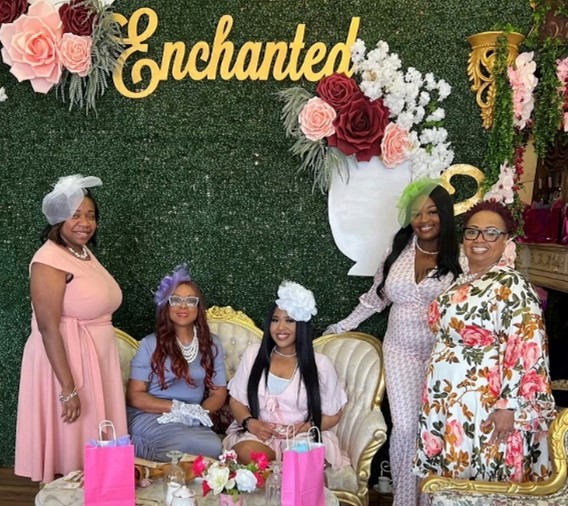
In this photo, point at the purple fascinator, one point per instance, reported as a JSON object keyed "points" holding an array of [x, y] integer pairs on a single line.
{"points": [[169, 284]]}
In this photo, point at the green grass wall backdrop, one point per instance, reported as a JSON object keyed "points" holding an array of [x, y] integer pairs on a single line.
{"points": [[201, 172]]}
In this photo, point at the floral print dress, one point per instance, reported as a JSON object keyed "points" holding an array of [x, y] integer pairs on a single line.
{"points": [[490, 354]]}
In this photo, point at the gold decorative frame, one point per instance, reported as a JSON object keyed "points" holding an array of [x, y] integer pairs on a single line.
{"points": [[480, 68], [128, 339], [228, 314], [557, 447], [363, 466], [463, 170]]}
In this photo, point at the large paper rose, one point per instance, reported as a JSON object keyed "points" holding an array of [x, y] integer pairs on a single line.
{"points": [[75, 53], [77, 18], [30, 46], [360, 127], [11, 10], [395, 146], [476, 336], [316, 119], [337, 90]]}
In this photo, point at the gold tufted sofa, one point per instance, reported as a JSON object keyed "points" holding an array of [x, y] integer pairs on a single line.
{"points": [[554, 491], [358, 360]]}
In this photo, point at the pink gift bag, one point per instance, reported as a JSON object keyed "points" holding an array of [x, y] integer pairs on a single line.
{"points": [[302, 473], [109, 470]]}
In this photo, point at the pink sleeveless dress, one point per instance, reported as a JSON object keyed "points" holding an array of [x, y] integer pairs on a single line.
{"points": [[46, 446]]}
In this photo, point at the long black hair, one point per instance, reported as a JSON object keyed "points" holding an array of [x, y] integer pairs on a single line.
{"points": [[306, 367], [448, 246]]}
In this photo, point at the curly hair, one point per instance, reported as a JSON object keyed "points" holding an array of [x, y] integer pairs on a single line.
{"points": [[166, 345], [496, 207]]}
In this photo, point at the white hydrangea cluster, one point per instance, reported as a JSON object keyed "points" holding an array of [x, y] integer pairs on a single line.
{"points": [[412, 99]]}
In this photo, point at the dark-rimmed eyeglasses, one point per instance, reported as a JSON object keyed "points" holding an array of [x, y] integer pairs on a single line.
{"points": [[176, 300], [489, 234]]}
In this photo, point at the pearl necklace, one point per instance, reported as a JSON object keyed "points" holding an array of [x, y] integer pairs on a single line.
{"points": [[466, 278], [275, 350], [424, 251], [190, 350], [84, 252]]}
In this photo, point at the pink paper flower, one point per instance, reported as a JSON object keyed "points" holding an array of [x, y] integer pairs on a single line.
{"points": [[395, 146], [75, 53], [523, 82], [316, 119], [504, 189], [509, 254], [30, 46]]}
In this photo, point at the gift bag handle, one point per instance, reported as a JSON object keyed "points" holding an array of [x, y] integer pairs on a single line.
{"points": [[105, 424], [288, 437], [318, 434]]}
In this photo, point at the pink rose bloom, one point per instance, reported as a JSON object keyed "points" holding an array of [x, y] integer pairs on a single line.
{"points": [[460, 295], [432, 444], [513, 351], [531, 384], [316, 119], [514, 456], [454, 432], [531, 354], [433, 314], [395, 145], [75, 53], [494, 381], [476, 336], [30, 46]]}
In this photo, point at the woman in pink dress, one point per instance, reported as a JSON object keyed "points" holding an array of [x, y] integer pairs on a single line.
{"points": [[282, 382], [422, 262], [70, 378]]}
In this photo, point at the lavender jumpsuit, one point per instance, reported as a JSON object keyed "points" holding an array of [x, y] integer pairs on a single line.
{"points": [[407, 345]]}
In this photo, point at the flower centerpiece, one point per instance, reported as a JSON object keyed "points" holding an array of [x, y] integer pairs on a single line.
{"points": [[229, 478], [385, 111], [72, 46]]}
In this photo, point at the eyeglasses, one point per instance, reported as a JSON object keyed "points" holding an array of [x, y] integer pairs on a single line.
{"points": [[176, 300], [489, 234]]}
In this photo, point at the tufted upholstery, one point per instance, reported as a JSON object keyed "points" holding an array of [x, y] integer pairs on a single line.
{"points": [[554, 491], [358, 361], [362, 430], [127, 347]]}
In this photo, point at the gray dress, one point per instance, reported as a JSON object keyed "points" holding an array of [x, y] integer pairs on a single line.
{"points": [[153, 440]]}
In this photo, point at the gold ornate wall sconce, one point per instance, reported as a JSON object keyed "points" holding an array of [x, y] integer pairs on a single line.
{"points": [[480, 68]]}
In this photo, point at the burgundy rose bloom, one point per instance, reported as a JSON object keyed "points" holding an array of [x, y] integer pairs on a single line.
{"points": [[360, 127], [10, 10], [337, 90], [76, 18]]}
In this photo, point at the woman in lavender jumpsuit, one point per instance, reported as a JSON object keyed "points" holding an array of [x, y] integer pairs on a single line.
{"points": [[422, 262]]}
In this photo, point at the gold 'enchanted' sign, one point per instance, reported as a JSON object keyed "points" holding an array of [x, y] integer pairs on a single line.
{"points": [[253, 60]]}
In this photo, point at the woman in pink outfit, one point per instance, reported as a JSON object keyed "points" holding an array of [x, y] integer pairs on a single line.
{"points": [[421, 264], [70, 378]]}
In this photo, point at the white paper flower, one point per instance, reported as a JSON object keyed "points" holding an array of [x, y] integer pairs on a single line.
{"points": [[246, 480], [297, 301], [218, 479], [3, 95]]}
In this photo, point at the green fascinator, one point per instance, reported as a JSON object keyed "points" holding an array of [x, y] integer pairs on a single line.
{"points": [[416, 191]]}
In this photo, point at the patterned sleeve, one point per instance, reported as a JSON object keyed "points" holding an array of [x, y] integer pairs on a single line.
{"points": [[239, 382], [369, 303], [140, 363], [220, 377], [525, 386], [333, 397]]}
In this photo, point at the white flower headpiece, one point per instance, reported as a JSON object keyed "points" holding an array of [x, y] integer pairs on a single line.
{"points": [[297, 301]]}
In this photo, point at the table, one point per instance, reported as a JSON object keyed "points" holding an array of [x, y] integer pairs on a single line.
{"points": [[53, 495]]}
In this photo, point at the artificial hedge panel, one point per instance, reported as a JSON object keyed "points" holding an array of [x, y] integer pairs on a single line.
{"points": [[201, 172]]}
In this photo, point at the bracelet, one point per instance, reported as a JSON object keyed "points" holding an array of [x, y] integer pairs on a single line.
{"points": [[245, 422], [67, 398]]}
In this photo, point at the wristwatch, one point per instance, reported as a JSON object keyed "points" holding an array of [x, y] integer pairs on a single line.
{"points": [[245, 422]]}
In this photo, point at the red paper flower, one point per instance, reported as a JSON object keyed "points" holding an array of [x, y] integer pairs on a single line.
{"points": [[10, 10], [77, 18], [360, 127], [337, 90]]}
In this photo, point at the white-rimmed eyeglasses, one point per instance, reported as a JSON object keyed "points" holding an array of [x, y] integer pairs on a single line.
{"points": [[176, 300]]}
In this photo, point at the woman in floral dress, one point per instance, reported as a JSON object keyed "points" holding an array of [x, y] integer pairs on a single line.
{"points": [[487, 401]]}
